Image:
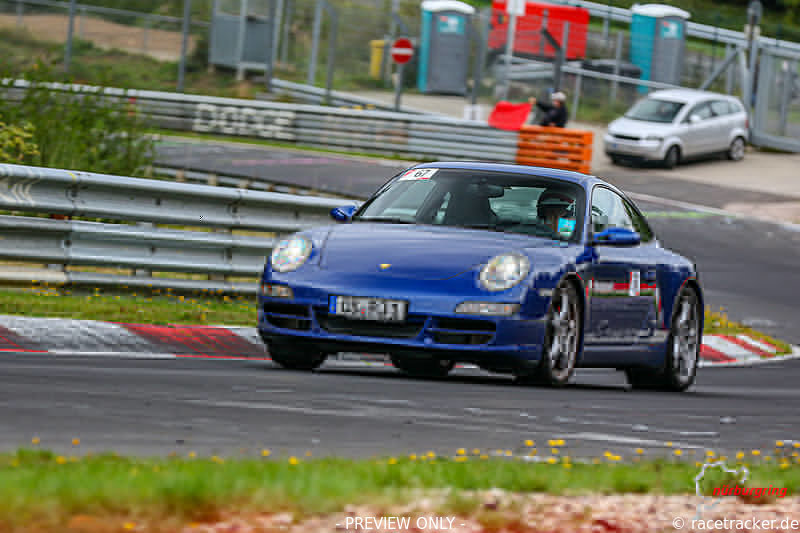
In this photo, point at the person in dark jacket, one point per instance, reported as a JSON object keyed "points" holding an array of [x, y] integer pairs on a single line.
{"points": [[554, 114]]}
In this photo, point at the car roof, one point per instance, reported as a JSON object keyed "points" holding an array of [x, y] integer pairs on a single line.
{"points": [[689, 96], [585, 180]]}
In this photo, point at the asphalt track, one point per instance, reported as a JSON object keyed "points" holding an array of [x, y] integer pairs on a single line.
{"points": [[232, 408], [156, 406]]}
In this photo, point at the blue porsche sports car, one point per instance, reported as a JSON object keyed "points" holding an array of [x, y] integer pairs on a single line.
{"points": [[525, 270]]}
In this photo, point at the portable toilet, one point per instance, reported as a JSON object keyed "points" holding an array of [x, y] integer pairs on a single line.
{"points": [[658, 41], [444, 47]]}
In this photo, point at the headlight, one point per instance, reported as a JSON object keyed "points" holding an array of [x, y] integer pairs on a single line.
{"points": [[290, 254], [504, 271]]}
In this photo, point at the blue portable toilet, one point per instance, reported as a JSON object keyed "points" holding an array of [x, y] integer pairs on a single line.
{"points": [[444, 47], [658, 42]]}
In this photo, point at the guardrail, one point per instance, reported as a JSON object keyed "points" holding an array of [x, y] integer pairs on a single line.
{"points": [[130, 239], [410, 136]]}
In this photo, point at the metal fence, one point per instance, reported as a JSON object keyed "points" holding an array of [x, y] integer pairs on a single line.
{"points": [[132, 31], [137, 227]]}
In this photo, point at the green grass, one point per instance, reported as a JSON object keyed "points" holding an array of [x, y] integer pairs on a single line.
{"points": [[39, 487], [160, 307]]}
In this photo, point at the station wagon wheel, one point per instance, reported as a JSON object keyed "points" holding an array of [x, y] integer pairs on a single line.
{"points": [[736, 150], [672, 157], [296, 358], [562, 338], [423, 368], [683, 349]]}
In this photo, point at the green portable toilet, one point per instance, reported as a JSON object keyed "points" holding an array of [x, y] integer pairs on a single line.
{"points": [[658, 42], [444, 47]]}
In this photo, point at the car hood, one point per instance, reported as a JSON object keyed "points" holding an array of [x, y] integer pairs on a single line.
{"points": [[422, 252], [639, 128]]}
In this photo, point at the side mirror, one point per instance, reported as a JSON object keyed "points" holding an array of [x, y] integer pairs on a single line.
{"points": [[344, 213], [617, 237], [694, 119]]}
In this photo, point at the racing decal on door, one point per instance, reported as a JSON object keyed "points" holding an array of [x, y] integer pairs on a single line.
{"points": [[634, 287], [419, 174]]}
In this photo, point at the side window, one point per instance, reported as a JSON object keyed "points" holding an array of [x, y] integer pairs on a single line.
{"points": [[701, 110], [609, 211], [639, 223], [720, 108]]}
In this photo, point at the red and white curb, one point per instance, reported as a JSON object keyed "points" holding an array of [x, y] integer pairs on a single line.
{"points": [[56, 336]]}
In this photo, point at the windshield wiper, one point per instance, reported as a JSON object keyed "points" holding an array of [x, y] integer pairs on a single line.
{"points": [[388, 220]]}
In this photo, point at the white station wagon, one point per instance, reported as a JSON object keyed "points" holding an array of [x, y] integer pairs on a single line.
{"points": [[679, 124]]}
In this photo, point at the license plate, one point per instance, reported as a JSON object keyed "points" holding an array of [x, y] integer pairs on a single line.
{"points": [[378, 309]]}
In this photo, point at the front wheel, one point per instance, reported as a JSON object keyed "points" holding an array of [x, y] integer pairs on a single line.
{"points": [[736, 149], [672, 157], [562, 341], [424, 368], [683, 350], [296, 358]]}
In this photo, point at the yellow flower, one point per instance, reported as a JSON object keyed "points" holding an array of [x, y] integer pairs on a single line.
{"points": [[710, 453], [796, 444], [392, 461], [192, 455], [61, 460], [265, 453], [669, 444], [529, 443], [678, 452], [76, 441], [756, 452], [639, 451], [476, 451], [413, 457], [461, 451], [484, 456], [779, 443], [293, 460], [35, 441], [552, 460], [740, 455], [554, 451], [509, 453], [461, 458]]}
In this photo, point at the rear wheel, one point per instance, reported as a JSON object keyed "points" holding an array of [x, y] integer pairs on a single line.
{"points": [[296, 358], [672, 157], [428, 368], [562, 338], [683, 350], [736, 149]]}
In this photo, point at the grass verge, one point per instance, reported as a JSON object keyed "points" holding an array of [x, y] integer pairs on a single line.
{"points": [[159, 307], [717, 322], [40, 487]]}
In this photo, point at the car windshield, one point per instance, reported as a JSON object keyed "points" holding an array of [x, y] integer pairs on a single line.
{"points": [[494, 201], [654, 110]]}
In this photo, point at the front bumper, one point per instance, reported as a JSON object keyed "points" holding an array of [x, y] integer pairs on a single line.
{"points": [[638, 149], [497, 343]]}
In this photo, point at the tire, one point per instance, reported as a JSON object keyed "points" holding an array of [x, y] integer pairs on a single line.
{"points": [[736, 149], [562, 340], [683, 350], [296, 358], [615, 160], [672, 157], [423, 368]]}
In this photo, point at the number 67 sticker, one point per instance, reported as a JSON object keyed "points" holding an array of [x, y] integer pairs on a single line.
{"points": [[419, 174]]}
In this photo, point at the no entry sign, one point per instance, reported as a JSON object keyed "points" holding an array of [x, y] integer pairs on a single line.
{"points": [[402, 51]]}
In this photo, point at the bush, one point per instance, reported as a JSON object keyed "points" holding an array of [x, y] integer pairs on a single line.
{"points": [[77, 130], [17, 145]]}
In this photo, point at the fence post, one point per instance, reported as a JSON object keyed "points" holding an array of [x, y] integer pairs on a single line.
{"points": [[510, 35], [81, 16], [333, 27], [729, 72], [20, 13], [612, 95], [484, 23], [240, 40], [542, 29], [146, 33], [276, 28], [561, 56], [312, 61], [187, 17], [287, 25], [576, 99], [70, 30]]}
